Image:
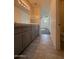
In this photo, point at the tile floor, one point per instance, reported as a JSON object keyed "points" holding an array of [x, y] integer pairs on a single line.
{"points": [[41, 48]]}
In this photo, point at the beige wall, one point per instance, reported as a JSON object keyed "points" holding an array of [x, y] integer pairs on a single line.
{"points": [[20, 16], [53, 21], [17, 15], [35, 15]]}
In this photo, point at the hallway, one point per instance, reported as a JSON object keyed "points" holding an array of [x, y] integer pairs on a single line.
{"points": [[41, 48], [44, 31]]}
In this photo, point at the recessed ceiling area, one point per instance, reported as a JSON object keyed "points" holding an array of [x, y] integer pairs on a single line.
{"points": [[43, 5], [35, 3]]}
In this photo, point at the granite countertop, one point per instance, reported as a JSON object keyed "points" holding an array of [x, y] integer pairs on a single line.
{"points": [[23, 25]]}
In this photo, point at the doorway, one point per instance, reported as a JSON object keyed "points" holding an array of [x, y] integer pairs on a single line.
{"points": [[45, 25]]}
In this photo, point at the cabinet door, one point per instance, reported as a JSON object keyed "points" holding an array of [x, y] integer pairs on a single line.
{"points": [[26, 38], [17, 44], [32, 33]]}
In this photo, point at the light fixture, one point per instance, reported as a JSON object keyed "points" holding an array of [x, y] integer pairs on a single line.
{"points": [[25, 5]]}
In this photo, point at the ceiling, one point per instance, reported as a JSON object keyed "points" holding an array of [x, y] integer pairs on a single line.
{"points": [[35, 3], [43, 5]]}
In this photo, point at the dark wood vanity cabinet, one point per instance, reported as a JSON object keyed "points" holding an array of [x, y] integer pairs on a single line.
{"points": [[26, 38], [24, 34], [18, 43]]}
